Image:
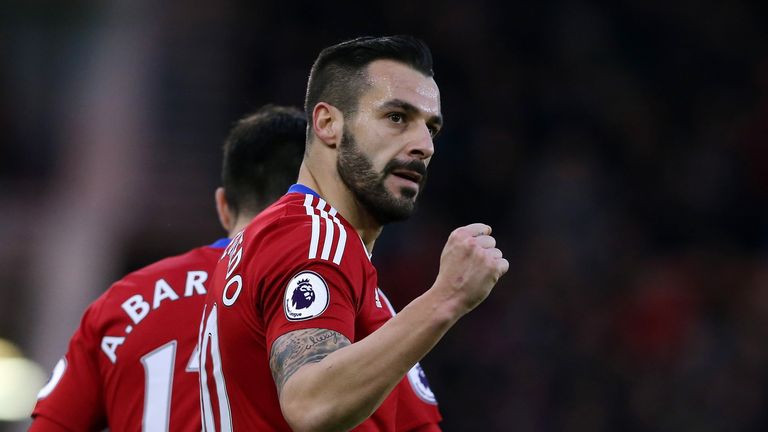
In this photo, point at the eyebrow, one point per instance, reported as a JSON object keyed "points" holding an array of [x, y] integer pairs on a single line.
{"points": [[409, 108]]}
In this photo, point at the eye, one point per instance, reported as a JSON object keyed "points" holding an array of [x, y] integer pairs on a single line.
{"points": [[434, 129], [396, 117]]}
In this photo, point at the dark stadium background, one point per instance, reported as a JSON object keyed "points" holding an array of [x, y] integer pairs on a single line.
{"points": [[619, 151]]}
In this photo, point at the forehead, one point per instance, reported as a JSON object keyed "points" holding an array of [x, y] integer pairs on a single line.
{"points": [[393, 80]]}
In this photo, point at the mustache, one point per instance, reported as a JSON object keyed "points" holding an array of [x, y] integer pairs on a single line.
{"points": [[411, 165]]}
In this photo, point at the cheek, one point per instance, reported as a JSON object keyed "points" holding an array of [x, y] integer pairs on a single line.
{"points": [[386, 152], [379, 156], [378, 146]]}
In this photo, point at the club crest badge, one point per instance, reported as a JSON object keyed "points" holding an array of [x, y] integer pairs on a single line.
{"points": [[306, 296], [420, 385]]}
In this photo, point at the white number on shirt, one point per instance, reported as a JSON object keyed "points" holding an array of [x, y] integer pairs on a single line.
{"points": [[158, 379], [210, 338]]}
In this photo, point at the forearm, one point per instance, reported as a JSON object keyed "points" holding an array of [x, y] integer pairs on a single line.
{"points": [[349, 384]]}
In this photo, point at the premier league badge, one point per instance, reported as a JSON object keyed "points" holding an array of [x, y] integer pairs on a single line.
{"points": [[420, 385], [306, 296]]}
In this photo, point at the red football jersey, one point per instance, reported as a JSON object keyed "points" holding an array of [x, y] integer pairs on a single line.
{"points": [[130, 365], [298, 265]]}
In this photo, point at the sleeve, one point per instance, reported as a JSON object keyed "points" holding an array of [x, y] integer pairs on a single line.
{"points": [[44, 424], [313, 279], [72, 399], [315, 294]]}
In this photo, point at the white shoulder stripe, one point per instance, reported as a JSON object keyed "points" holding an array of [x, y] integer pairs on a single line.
{"points": [[315, 227], [342, 239], [318, 212], [328, 230], [342, 236]]}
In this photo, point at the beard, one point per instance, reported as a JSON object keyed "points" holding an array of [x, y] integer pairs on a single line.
{"points": [[367, 185]]}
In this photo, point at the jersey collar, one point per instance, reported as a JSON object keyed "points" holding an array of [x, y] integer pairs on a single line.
{"points": [[300, 188], [220, 243]]}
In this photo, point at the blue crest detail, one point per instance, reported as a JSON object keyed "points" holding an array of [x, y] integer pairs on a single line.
{"points": [[423, 377], [420, 385], [303, 295]]}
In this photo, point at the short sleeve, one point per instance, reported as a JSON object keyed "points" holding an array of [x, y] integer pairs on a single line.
{"points": [[73, 397], [314, 295]]}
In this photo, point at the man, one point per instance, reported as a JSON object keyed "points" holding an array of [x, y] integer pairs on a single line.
{"points": [[132, 363], [294, 299]]}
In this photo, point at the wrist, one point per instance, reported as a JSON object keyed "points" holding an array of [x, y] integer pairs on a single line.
{"points": [[444, 309]]}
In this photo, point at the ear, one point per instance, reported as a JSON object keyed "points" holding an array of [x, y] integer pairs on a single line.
{"points": [[327, 123], [226, 218]]}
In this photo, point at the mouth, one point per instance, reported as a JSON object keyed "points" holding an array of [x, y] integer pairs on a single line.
{"points": [[408, 175]]}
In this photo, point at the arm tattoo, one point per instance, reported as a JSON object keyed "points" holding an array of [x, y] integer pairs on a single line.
{"points": [[297, 348]]}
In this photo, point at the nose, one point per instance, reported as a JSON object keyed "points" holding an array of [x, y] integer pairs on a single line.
{"points": [[422, 147]]}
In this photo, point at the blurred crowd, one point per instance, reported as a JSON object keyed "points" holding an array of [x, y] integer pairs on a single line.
{"points": [[620, 153]]}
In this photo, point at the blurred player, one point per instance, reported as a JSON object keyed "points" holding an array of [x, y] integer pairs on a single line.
{"points": [[295, 299], [132, 363]]}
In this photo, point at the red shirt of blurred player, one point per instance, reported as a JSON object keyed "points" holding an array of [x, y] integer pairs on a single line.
{"points": [[132, 362]]}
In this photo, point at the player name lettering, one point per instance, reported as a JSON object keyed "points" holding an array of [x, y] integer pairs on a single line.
{"points": [[138, 308], [234, 283]]}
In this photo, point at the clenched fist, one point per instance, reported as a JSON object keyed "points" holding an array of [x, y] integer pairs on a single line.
{"points": [[470, 266]]}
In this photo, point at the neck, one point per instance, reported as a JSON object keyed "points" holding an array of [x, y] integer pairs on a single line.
{"points": [[240, 224], [329, 185]]}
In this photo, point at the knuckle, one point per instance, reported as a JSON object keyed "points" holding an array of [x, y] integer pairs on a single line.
{"points": [[458, 232]]}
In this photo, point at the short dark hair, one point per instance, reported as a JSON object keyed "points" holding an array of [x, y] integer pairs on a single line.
{"points": [[262, 155], [338, 75]]}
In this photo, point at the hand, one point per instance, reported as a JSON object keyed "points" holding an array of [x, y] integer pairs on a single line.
{"points": [[470, 266]]}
